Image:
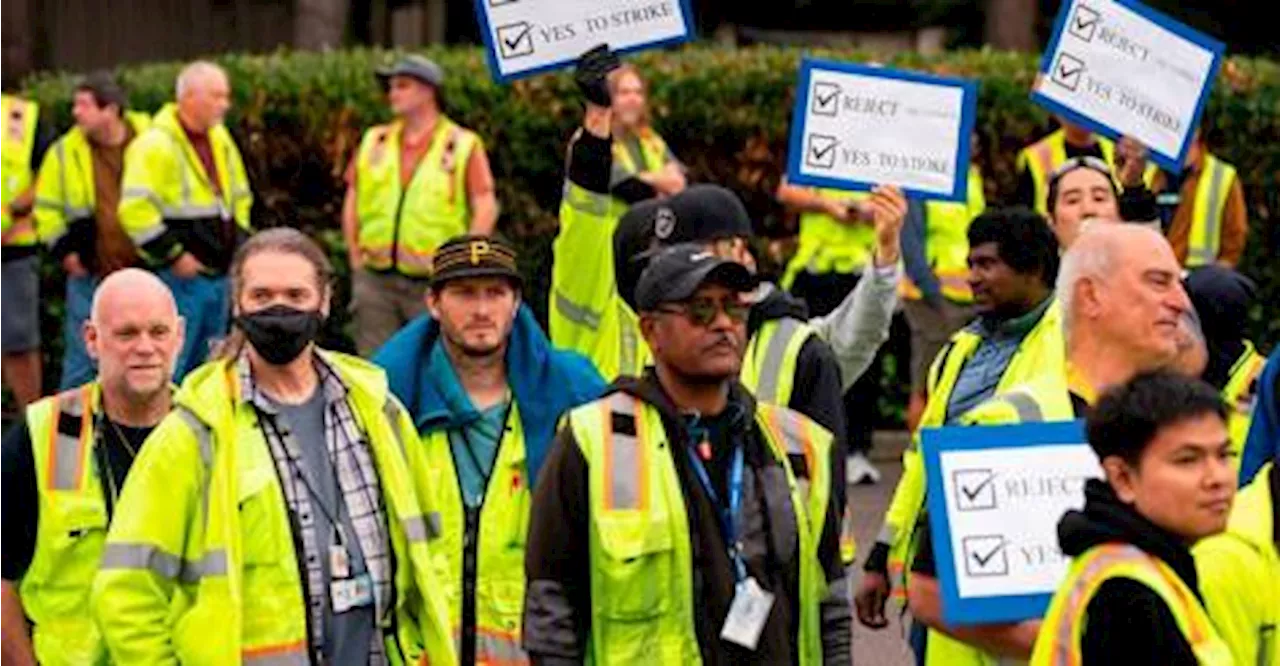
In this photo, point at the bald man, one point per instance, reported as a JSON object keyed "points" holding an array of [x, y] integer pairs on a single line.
{"points": [[186, 202], [59, 500], [1122, 300]]}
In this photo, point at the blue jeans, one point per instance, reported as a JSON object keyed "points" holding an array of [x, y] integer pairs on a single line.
{"points": [[77, 367], [205, 305]]}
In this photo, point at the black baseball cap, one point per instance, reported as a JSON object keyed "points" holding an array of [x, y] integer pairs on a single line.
{"points": [[675, 273], [474, 256], [419, 67]]}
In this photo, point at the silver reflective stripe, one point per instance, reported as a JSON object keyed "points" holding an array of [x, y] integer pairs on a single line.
{"points": [[294, 657], [888, 534], [191, 212], [422, 528], [793, 434], [494, 649], [137, 556], [629, 353], [67, 452], [624, 458], [48, 203], [142, 193], [1027, 408], [214, 563], [392, 411], [73, 213], [200, 431], [1208, 253], [771, 365], [575, 313], [435, 526]]}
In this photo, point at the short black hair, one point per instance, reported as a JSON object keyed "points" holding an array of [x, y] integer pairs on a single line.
{"points": [[1127, 417], [1023, 240], [1055, 183], [102, 85]]}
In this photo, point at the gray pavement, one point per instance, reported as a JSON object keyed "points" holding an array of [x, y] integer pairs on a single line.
{"points": [[888, 646]]}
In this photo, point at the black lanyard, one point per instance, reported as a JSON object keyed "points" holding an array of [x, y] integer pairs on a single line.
{"points": [[471, 453]]}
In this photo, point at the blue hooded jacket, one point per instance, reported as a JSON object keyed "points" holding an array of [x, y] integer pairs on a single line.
{"points": [[545, 382], [1263, 443]]}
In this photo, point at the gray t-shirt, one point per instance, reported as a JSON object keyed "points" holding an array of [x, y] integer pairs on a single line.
{"points": [[347, 635]]}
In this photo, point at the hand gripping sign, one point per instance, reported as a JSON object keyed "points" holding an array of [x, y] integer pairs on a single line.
{"points": [[855, 127], [527, 37], [1120, 68], [995, 495]]}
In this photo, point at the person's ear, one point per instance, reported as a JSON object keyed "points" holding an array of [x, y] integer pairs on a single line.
{"points": [[89, 332], [1088, 295], [326, 300], [1122, 477], [649, 330], [433, 303]]}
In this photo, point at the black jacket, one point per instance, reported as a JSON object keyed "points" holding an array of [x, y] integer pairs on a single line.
{"points": [[1127, 622], [818, 392], [557, 612]]}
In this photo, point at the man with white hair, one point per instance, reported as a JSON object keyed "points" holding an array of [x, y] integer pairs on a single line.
{"points": [[1122, 304], [63, 469], [186, 201]]}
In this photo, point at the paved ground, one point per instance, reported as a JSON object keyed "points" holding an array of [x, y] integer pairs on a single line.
{"points": [[885, 647]]}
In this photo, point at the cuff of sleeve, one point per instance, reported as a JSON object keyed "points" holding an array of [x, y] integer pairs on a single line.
{"points": [[887, 274], [878, 558]]}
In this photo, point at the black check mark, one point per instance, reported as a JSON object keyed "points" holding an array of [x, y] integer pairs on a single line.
{"points": [[982, 561], [1065, 73], [973, 494], [516, 38], [826, 99], [819, 153], [1085, 22]]}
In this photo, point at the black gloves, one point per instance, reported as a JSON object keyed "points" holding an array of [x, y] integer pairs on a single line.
{"points": [[592, 73]]}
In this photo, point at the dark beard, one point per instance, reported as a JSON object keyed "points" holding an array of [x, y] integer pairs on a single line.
{"points": [[474, 352]]}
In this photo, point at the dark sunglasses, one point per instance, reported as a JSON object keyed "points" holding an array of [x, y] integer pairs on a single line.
{"points": [[703, 311]]}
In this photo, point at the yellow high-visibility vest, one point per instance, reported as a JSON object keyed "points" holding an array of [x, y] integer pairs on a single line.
{"points": [[947, 243], [827, 245], [1212, 191], [17, 143], [1042, 158]]}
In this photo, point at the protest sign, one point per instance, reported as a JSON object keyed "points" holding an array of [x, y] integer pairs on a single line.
{"points": [[525, 37], [855, 127], [995, 496], [1121, 68]]}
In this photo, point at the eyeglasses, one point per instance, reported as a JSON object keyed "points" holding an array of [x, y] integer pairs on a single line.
{"points": [[1081, 162], [703, 311]]}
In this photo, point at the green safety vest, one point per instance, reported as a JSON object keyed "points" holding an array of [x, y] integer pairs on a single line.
{"points": [[17, 143], [947, 243], [1043, 157], [165, 185], [642, 605], [1044, 347], [1212, 192], [1240, 396], [1058, 643], [586, 314], [200, 561], [827, 245], [504, 521], [71, 530], [1239, 575], [65, 193], [401, 227]]}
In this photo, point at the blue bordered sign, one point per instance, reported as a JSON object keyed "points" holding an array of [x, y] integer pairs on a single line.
{"points": [[995, 494], [856, 126], [1121, 68], [527, 37]]}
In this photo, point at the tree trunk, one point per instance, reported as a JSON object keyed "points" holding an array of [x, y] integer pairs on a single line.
{"points": [[1011, 24], [320, 24]]}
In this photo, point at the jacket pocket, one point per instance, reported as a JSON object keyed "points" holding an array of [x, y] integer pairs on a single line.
{"points": [[635, 566]]}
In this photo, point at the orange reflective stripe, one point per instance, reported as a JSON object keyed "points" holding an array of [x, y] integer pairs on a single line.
{"points": [[276, 654]]}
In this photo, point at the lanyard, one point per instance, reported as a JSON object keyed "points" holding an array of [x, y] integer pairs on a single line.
{"points": [[475, 459], [728, 513]]}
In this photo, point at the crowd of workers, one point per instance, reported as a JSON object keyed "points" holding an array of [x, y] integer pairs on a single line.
{"points": [[662, 476]]}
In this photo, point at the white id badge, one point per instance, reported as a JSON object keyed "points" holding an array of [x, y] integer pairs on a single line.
{"points": [[747, 614], [351, 593], [339, 562]]}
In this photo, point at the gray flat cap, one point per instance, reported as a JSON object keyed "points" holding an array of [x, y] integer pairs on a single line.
{"points": [[419, 67]]}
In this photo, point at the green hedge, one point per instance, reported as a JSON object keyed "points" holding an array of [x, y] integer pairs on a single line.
{"points": [[725, 112]]}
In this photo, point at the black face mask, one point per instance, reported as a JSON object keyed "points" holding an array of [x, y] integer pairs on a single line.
{"points": [[279, 333]]}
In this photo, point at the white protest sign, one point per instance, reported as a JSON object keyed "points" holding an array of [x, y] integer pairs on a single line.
{"points": [[995, 497], [854, 127], [1123, 69], [525, 37]]}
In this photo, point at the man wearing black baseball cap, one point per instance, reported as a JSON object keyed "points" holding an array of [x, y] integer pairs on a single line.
{"points": [[677, 492], [484, 388], [414, 183]]}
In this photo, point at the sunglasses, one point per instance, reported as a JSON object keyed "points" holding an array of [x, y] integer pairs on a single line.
{"points": [[1083, 162], [703, 311]]}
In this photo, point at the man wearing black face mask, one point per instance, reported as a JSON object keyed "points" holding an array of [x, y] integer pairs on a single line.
{"points": [[279, 485]]}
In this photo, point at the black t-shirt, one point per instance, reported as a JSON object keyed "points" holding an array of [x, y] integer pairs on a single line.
{"points": [[19, 493]]}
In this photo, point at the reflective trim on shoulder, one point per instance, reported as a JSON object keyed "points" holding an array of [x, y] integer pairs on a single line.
{"points": [[69, 434], [625, 466], [145, 556], [393, 413], [578, 314], [771, 365]]}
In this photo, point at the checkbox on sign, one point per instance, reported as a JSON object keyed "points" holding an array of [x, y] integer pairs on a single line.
{"points": [[1067, 71], [515, 39], [975, 489], [985, 555], [821, 151], [1084, 23], [826, 99]]}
